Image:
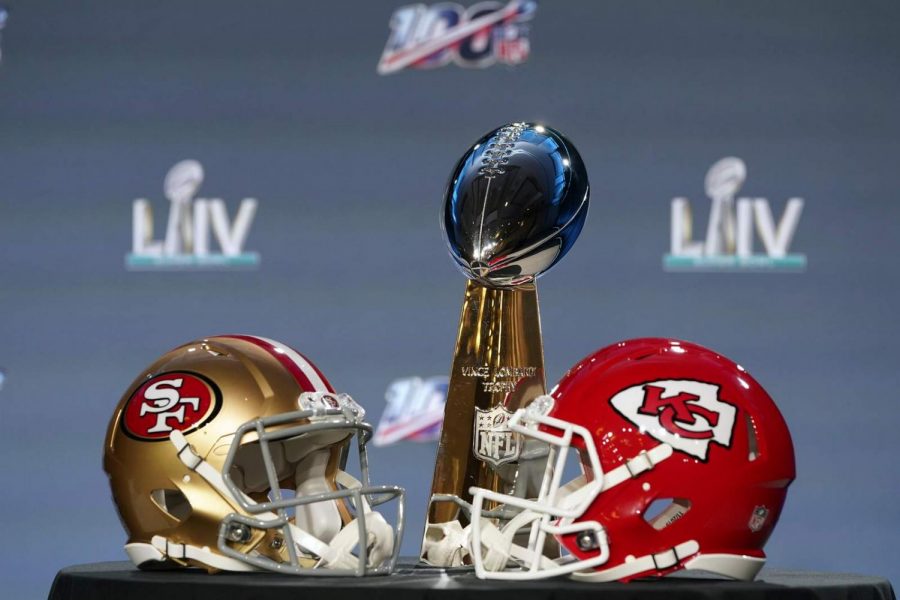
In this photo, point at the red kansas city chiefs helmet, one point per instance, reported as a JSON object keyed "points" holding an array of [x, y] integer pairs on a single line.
{"points": [[685, 464]]}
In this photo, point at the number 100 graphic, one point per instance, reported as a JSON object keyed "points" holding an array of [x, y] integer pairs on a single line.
{"points": [[426, 37]]}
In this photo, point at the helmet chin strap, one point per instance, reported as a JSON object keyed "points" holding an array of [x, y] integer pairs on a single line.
{"points": [[379, 541], [451, 546], [501, 549], [648, 562], [336, 554], [454, 543]]}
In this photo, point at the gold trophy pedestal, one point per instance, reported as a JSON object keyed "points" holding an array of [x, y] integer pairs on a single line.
{"points": [[498, 367]]}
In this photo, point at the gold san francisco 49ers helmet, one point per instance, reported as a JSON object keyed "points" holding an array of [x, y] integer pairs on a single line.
{"points": [[229, 453]]}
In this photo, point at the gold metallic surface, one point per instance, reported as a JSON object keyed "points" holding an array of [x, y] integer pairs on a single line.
{"points": [[498, 362], [254, 385]]}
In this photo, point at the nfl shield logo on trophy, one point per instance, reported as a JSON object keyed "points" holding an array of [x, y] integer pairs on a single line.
{"points": [[494, 443]]}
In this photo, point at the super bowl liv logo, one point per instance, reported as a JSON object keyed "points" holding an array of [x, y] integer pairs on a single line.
{"points": [[190, 221], [728, 244], [425, 37]]}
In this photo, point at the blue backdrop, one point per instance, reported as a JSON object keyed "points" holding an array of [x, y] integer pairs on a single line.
{"points": [[281, 101]]}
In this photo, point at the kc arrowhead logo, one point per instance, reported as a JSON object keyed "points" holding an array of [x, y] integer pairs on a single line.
{"points": [[686, 414]]}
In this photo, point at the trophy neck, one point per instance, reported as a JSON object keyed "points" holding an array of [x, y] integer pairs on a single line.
{"points": [[500, 327]]}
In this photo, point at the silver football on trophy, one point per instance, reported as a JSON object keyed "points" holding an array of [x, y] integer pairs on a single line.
{"points": [[515, 204]]}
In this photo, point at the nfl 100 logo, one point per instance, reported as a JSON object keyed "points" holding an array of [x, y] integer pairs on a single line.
{"points": [[425, 37], [415, 411]]}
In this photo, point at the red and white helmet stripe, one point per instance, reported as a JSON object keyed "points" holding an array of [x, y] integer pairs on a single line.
{"points": [[304, 371]]}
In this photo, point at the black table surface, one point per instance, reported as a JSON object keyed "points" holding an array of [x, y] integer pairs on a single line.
{"points": [[120, 580]]}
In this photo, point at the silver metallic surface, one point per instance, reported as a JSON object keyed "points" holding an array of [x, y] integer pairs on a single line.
{"points": [[515, 204]]}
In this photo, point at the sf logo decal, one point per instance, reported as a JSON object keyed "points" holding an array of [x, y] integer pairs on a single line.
{"points": [[162, 400], [686, 414], [170, 401]]}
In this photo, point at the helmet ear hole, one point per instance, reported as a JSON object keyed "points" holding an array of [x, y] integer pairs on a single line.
{"points": [[173, 503], [663, 512]]}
